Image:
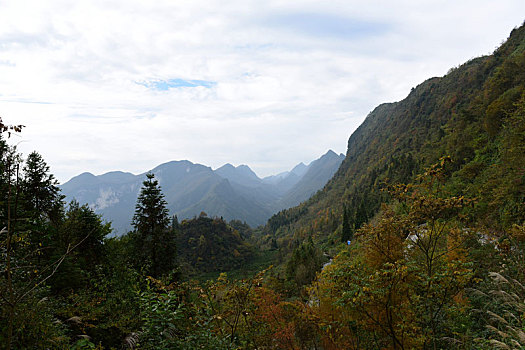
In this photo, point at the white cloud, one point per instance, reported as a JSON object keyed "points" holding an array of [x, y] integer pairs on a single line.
{"points": [[291, 78]]}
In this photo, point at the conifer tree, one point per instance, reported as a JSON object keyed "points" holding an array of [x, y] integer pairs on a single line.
{"points": [[175, 223], [40, 188], [346, 233], [154, 240]]}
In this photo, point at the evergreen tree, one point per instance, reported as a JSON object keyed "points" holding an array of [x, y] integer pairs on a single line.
{"points": [[40, 189], [361, 215], [175, 223], [154, 239], [5, 175], [346, 233], [83, 227], [305, 262]]}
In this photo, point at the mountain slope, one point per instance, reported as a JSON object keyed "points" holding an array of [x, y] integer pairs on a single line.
{"points": [[223, 201], [313, 178], [464, 115]]}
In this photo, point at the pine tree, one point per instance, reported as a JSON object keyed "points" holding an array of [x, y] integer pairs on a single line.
{"points": [[154, 239], [175, 223], [346, 233], [83, 227], [361, 215], [40, 188]]}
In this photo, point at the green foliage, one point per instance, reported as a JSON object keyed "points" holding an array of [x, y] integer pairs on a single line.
{"points": [[106, 310], [174, 318], [83, 344], [285, 217], [305, 262], [40, 188], [243, 228], [347, 231], [405, 274], [26, 314], [35, 325], [153, 238], [82, 228], [207, 244], [150, 211]]}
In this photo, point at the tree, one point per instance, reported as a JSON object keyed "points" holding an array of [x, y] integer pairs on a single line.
{"points": [[41, 202], [83, 227], [154, 240], [40, 188], [24, 319], [305, 262], [401, 285], [346, 234]]}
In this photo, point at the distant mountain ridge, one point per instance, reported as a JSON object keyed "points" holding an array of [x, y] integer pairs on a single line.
{"points": [[229, 192]]}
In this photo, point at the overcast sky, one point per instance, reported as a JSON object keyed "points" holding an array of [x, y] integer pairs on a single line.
{"points": [[127, 85]]}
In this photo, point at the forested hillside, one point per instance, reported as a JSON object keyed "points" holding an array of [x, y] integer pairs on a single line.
{"points": [[438, 262], [467, 115]]}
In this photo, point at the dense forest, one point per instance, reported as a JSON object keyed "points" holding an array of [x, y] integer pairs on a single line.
{"points": [[418, 242]]}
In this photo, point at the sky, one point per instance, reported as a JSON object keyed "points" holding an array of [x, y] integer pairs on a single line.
{"points": [[127, 85]]}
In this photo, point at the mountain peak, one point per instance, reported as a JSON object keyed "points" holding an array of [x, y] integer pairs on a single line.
{"points": [[116, 177], [226, 166], [247, 170], [331, 154], [313, 178], [241, 174], [85, 177], [299, 170]]}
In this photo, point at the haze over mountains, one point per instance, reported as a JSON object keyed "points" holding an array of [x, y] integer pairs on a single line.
{"points": [[229, 192]]}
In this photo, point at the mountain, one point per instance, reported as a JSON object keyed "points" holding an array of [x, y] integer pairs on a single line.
{"points": [[469, 115], [114, 194], [311, 178], [287, 180], [457, 142], [273, 179], [300, 169], [222, 200], [229, 192], [241, 175]]}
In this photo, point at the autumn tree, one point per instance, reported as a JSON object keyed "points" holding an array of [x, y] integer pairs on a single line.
{"points": [[403, 277], [433, 236]]}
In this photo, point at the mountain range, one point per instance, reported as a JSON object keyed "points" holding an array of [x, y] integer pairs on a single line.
{"points": [[229, 192]]}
